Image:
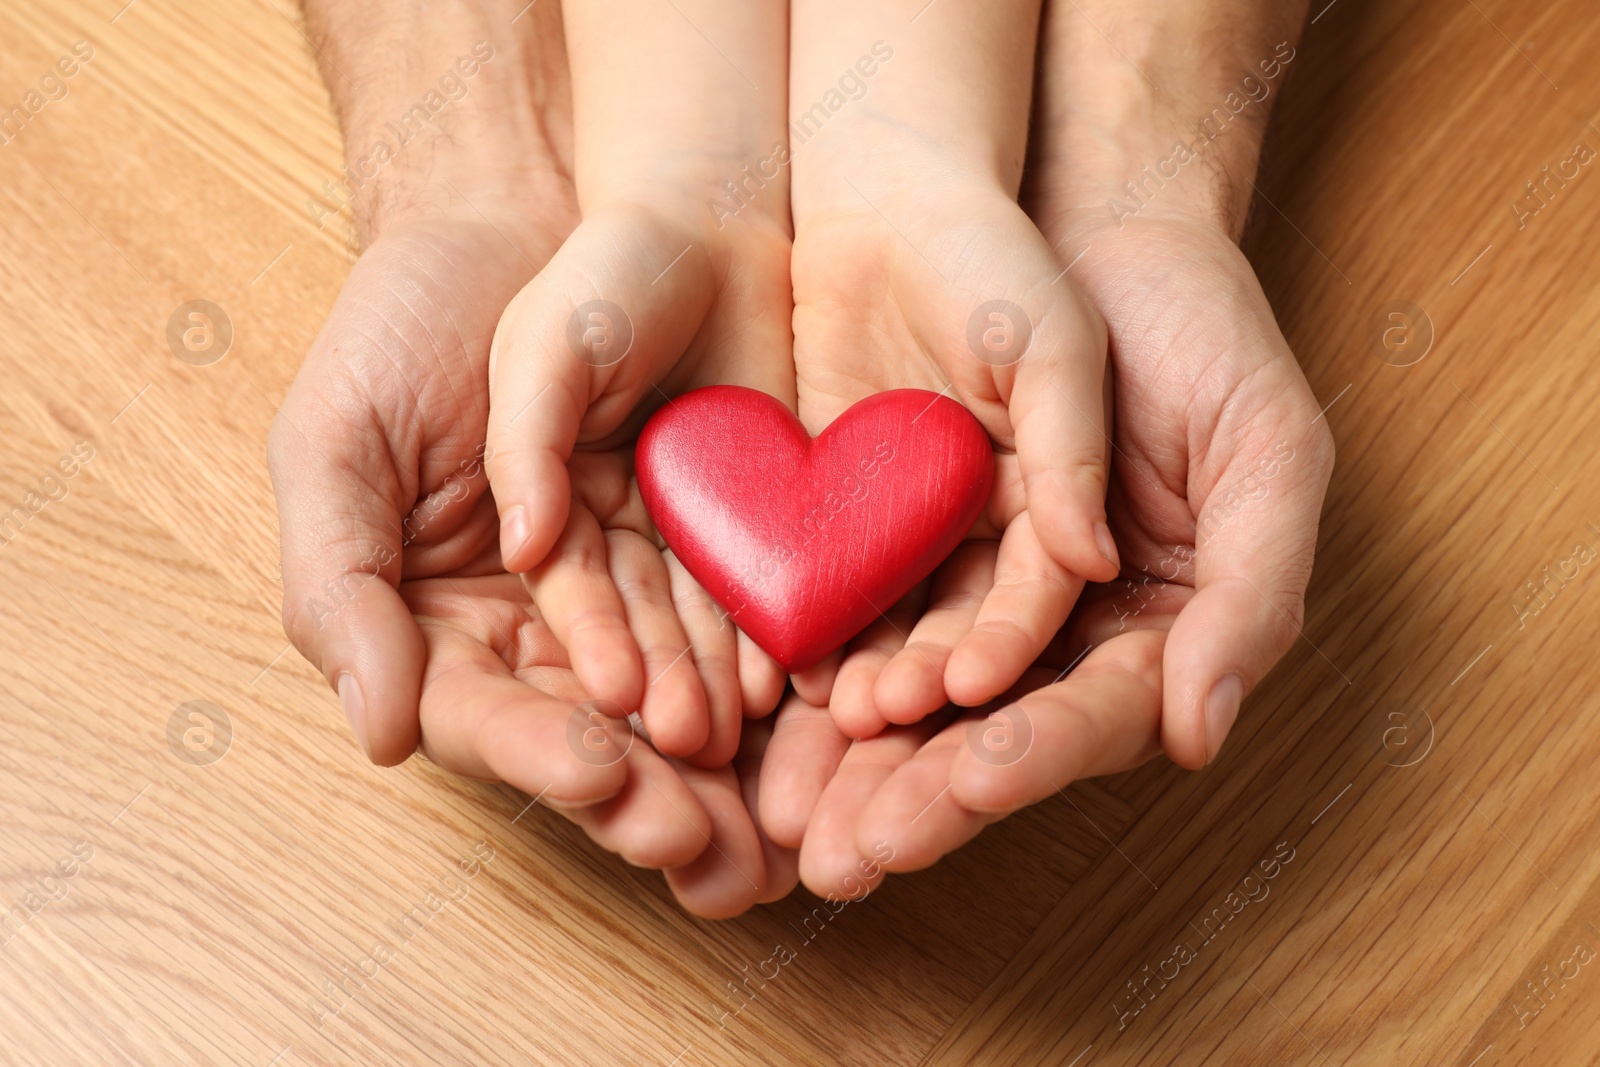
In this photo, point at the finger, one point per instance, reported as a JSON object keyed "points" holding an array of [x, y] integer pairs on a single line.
{"points": [[577, 597], [573, 357], [1058, 405], [674, 705], [805, 750], [479, 720], [339, 522], [911, 817], [714, 650], [1102, 718], [656, 821], [912, 684], [728, 876], [782, 865], [815, 683], [852, 703], [1255, 541], [831, 863], [1030, 599], [761, 680]]}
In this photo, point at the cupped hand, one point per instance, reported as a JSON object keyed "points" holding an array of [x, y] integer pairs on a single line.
{"points": [[641, 303], [1218, 476], [954, 291], [901, 800], [501, 702], [1221, 465], [394, 589]]}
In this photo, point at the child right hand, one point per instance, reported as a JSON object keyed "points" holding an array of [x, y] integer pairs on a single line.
{"points": [[654, 293]]}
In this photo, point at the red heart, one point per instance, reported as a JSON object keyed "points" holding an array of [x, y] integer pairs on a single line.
{"points": [[805, 542]]}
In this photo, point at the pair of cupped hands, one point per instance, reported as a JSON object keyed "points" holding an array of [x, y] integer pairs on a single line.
{"points": [[467, 560]]}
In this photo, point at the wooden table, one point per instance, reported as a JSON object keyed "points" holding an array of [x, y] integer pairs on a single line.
{"points": [[206, 882]]}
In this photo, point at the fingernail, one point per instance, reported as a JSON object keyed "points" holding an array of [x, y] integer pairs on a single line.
{"points": [[1107, 544], [514, 532], [1222, 707], [355, 709]]}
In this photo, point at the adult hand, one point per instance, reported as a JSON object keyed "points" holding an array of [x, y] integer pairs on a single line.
{"points": [[1222, 457], [393, 585], [376, 453], [1218, 475]]}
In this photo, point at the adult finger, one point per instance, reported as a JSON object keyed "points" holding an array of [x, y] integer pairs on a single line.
{"points": [[831, 862], [729, 875], [1255, 539], [1103, 717], [481, 721], [655, 821], [801, 757], [911, 817], [339, 522]]}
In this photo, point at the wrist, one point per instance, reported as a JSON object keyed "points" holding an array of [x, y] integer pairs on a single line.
{"points": [[881, 165], [465, 117], [1162, 118]]}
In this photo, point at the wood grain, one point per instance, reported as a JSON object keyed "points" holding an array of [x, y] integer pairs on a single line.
{"points": [[1417, 774]]}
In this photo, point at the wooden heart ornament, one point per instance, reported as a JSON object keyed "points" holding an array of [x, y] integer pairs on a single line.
{"points": [[804, 542]]}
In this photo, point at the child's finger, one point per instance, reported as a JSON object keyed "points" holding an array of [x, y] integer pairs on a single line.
{"points": [[912, 684], [851, 702], [577, 598], [1102, 718], [1058, 409], [714, 646], [761, 680], [674, 705], [656, 821], [575, 352], [1030, 599], [853, 708], [804, 751], [730, 874], [815, 683]]}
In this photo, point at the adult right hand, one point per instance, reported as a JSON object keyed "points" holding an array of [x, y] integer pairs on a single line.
{"points": [[393, 585]]}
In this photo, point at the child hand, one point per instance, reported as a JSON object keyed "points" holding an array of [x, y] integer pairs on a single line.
{"points": [[653, 294], [947, 286]]}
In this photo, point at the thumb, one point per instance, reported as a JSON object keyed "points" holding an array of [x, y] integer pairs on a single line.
{"points": [[340, 538], [1255, 537]]}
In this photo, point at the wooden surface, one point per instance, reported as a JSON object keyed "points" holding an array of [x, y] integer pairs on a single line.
{"points": [[1426, 755]]}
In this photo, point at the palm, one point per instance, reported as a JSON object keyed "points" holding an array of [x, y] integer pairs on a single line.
{"points": [[1218, 474], [383, 430], [500, 702], [634, 308], [884, 305]]}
